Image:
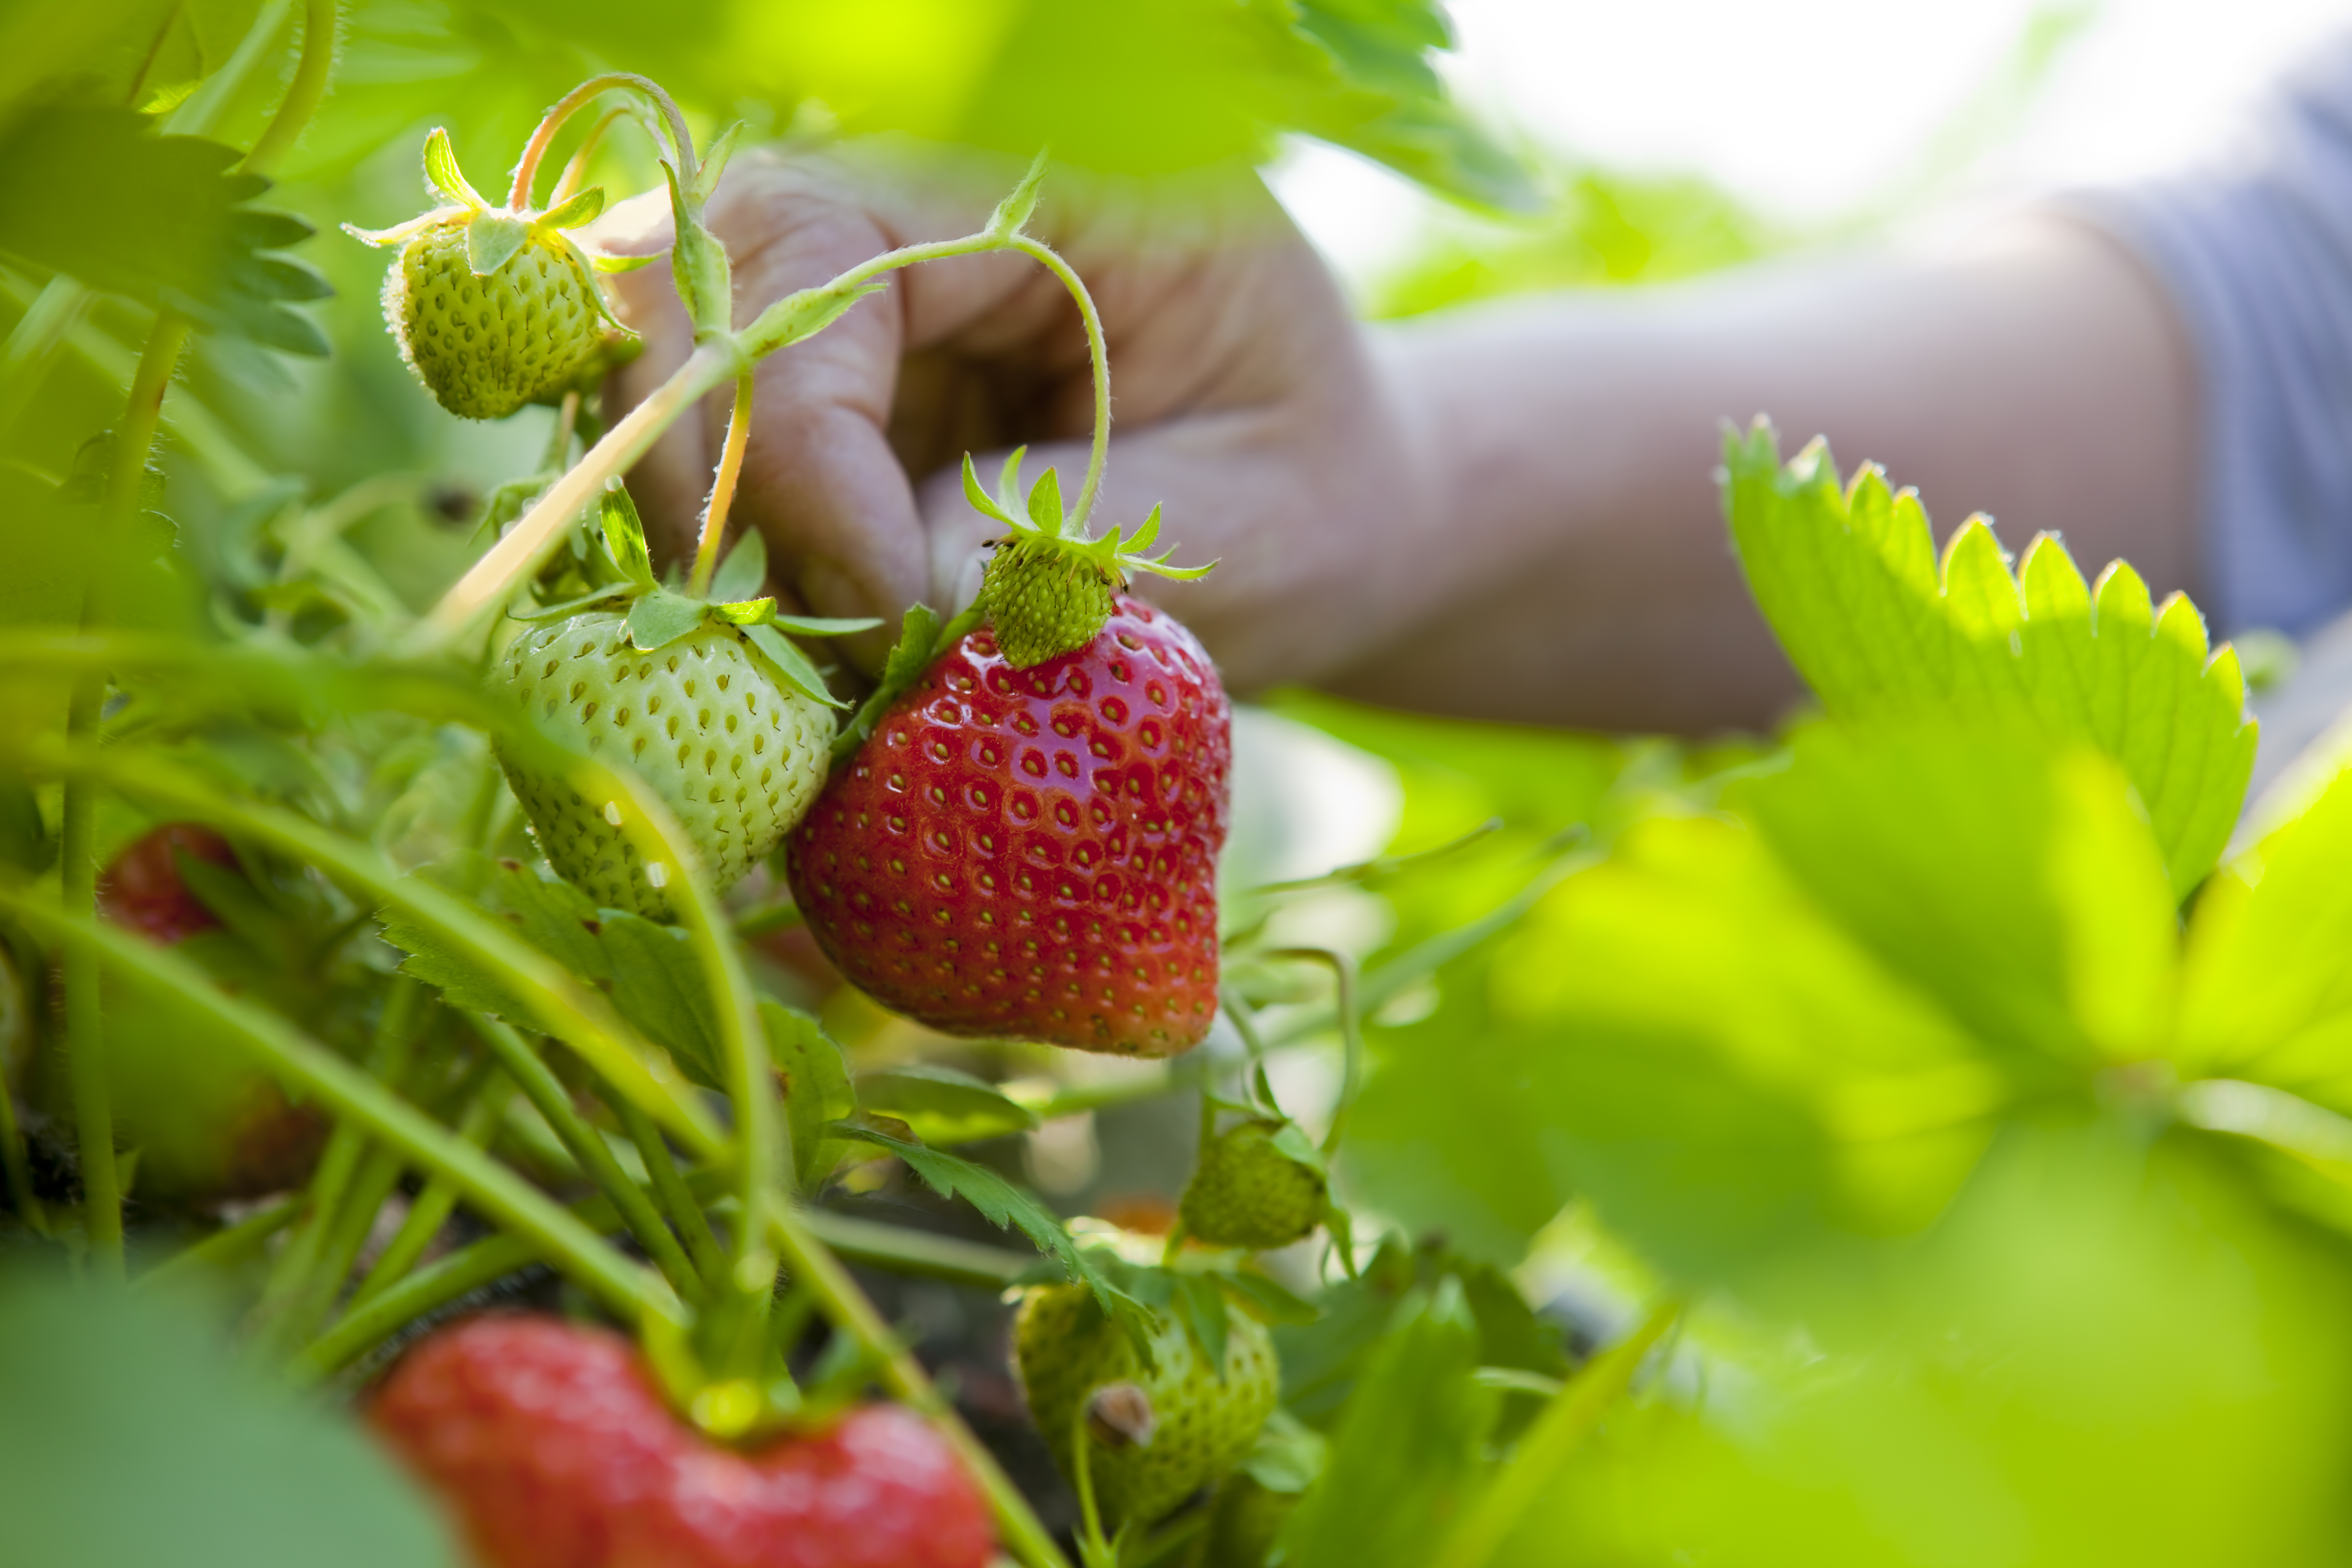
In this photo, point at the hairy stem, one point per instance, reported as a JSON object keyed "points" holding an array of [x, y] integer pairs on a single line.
{"points": [[304, 93], [526, 174], [1351, 1030], [722, 488], [85, 1041], [303, 1065], [1098, 452]]}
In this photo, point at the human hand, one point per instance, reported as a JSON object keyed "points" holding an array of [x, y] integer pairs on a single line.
{"points": [[1246, 399]]}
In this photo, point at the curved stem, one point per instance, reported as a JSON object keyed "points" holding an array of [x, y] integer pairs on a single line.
{"points": [[685, 1211], [432, 1208], [229, 1245], [722, 488], [576, 168], [560, 1004], [527, 168], [304, 93], [1351, 1031], [1098, 453], [301, 1063], [761, 1142]]}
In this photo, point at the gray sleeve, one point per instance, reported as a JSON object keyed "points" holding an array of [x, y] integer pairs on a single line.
{"points": [[2255, 249]]}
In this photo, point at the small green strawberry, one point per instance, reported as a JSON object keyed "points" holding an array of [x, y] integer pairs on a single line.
{"points": [[1047, 591], [1259, 1183], [493, 308], [1154, 1434], [703, 699]]}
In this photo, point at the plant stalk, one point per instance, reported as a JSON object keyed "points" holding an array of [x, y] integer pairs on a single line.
{"points": [[301, 1064], [722, 488], [526, 174], [433, 1207], [1099, 351], [303, 94]]}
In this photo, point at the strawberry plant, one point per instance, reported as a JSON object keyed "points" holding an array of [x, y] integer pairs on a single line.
{"points": [[512, 1047]]}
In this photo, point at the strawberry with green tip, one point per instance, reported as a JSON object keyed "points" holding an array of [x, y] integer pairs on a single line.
{"points": [[1025, 846], [702, 697], [1260, 1183], [494, 309], [1155, 1434]]}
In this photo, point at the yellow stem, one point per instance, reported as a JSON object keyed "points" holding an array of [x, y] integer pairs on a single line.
{"points": [[722, 488]]}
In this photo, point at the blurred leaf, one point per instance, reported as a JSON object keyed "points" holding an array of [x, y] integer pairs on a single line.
{"points": [[1408, 1452], [2022, 891], [1850, 580], [93, 194], [24, 841], [943, 1106], [817, 1088], [658, 986], [130, 1436]]}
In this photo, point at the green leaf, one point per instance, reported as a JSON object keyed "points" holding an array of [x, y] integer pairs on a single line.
{"points": [[169, 229], [624, 536], [1003, 1204], [1013, 211], [1046, 504], [743, 571], [1408, 1453], [112, 1395], [492, 240], [791, 664], [1200, 1304], [981, 501], [799, 316], [943, 1106], [584, 208], [817, 1088], [658, 986], [2018, 885], [661, 617], [441, 171], [715, 155], [746, 612], [1849, 581]]}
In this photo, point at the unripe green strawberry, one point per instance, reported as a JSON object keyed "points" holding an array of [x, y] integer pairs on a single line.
{"points": [[485, 347], [1043, 602], [736, 752], [1201, 1420], [1252, 1191]]}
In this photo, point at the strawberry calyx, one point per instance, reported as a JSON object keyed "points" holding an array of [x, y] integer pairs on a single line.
{"points": [[1049, 589], [622, 572], [495, 236]]}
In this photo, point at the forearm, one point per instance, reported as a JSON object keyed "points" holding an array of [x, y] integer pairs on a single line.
{"points": [[1574, 567]]}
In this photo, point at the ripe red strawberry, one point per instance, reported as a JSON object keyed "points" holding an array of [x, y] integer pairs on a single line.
{"points": [[551, 1446], [1032, 853], [141, 889]]}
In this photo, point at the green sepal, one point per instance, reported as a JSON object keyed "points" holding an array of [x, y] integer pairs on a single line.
{"points": [[981, 501], [743, 570], [1273, 1302], [441, 169], [661, 617], [746, 612], [624, 536], [1291, 1140], [802, 315], [790, 663], [824, 625], [492, 240], [1045, 506], [1013, 211], [602, 263], [1200, 1305], [714, 161], [570, 607], [698, 265], [584, 208]]}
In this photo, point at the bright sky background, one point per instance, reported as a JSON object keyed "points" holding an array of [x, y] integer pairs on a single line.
{"points": [[1812, 108]]}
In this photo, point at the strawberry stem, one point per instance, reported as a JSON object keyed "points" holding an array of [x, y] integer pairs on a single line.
{"points": [[85, 1042], [434, 1206], [722, 488], [303, 93], [575, 168], [1351, 1031], [1098, 351], [681, 140]]}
